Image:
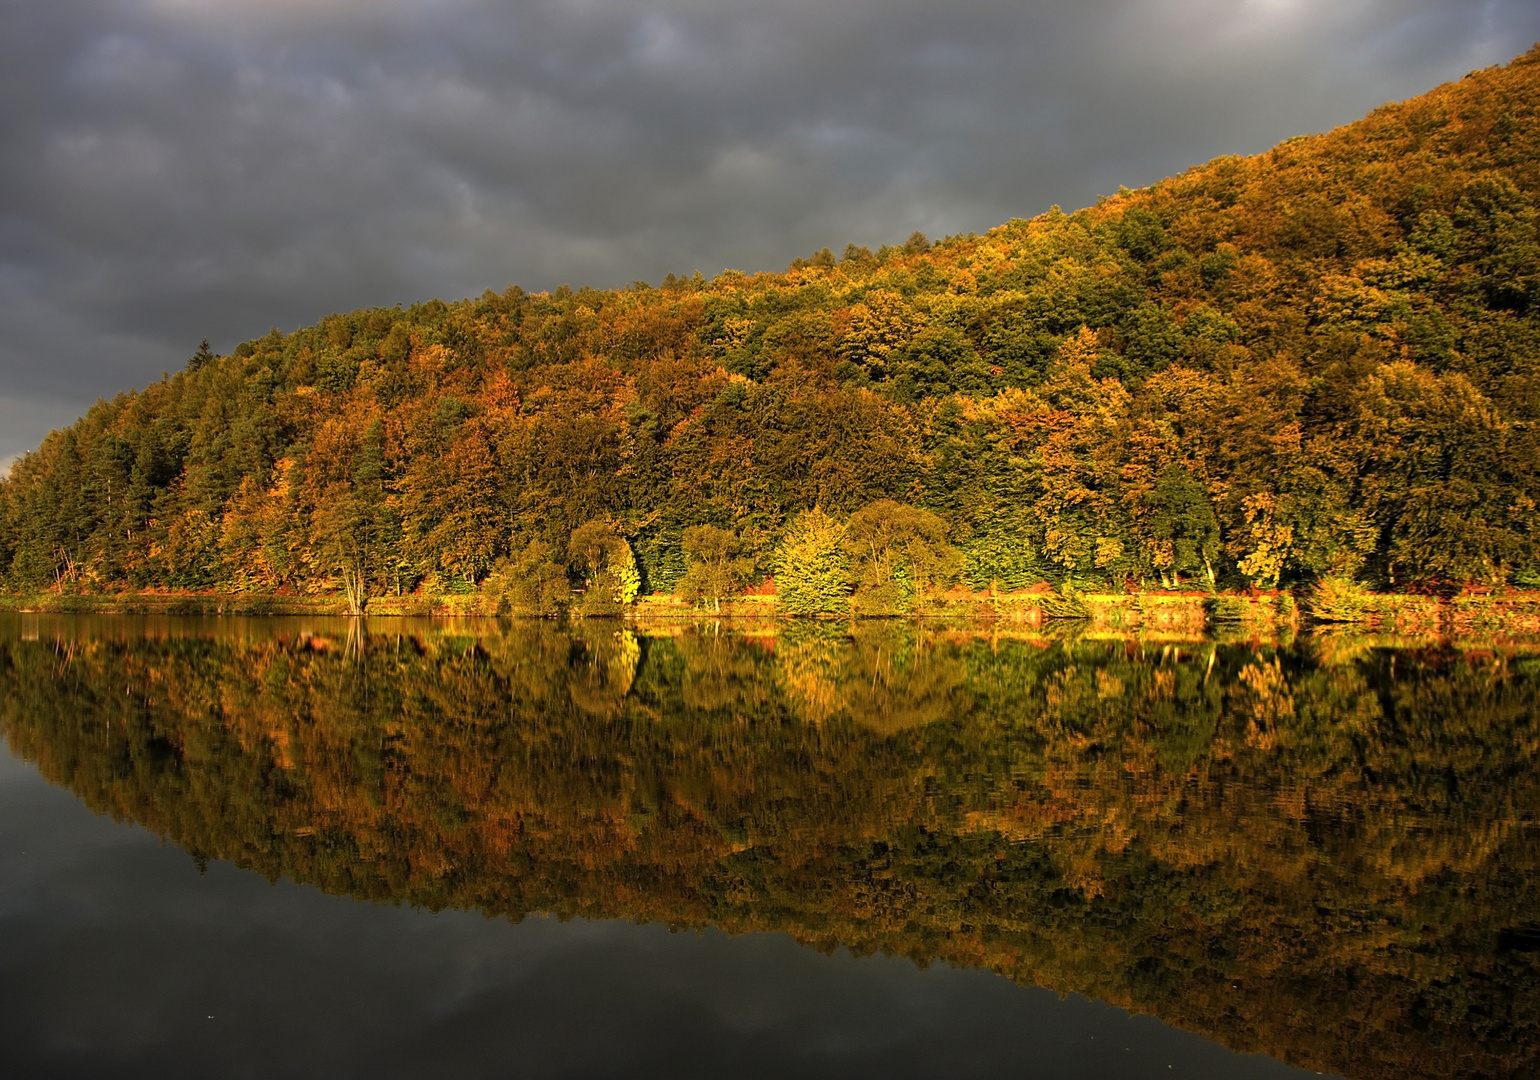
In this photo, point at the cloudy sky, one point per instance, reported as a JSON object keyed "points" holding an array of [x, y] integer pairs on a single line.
{"points": [[175, 169]]}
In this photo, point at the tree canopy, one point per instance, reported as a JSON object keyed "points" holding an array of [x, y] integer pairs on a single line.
{"points": [[1320, 361]]}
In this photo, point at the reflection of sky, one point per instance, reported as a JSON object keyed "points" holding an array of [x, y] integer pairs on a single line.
{"points": [[117, 958], [180, 168]]}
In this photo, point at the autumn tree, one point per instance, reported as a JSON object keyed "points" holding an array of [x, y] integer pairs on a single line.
{"points": [[1338, 342], [898, 555], [812, 566], [1181, 530], [351, 522], [608, 566], [529, 582], [717, 567]]}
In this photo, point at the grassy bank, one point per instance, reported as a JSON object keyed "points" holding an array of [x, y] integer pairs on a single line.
{"points": [[1154, 613]]}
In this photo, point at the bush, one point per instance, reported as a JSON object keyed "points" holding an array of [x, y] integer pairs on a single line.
{"points": [[1339, 600], [1067, 603], [530, 583]]}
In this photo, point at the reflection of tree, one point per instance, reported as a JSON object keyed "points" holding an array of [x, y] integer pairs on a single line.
{"points": [[887, 676], [808, 661], [603, 667], [721, 674], [894, 681], [1330, 862]]}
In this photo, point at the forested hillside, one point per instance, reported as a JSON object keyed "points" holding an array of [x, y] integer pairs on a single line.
{"points": [[1320, 362]]}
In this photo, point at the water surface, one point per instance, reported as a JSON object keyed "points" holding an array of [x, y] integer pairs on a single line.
{"points": [[817, 851]]}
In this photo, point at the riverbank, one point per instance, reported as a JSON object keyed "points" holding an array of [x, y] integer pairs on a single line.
{"points": [[1179, 614]]}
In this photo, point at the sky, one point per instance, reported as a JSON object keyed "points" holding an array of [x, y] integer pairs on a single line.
{"points": [[172, 170]]}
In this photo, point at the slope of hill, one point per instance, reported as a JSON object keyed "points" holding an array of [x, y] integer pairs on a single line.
{"points": [[1321, 362]]}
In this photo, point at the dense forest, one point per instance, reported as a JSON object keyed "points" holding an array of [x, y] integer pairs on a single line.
{"points": [[1319, 364], [1323, 852]]}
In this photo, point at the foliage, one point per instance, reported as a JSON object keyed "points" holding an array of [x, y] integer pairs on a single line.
{"points": [[1183, 531], [1066, 603], [1263, 544], [530, 582], [898, 556], [1320, 361], [717, 567], [812, 568], [608, 565], [1337, 600]]}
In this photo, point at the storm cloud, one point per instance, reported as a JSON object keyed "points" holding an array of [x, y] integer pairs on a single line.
{"points": [[175, 169]]}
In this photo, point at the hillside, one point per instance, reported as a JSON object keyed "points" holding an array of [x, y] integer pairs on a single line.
{"points": [[1320, 362]]}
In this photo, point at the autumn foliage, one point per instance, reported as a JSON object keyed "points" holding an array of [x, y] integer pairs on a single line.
{"points": [[1320, 362]]}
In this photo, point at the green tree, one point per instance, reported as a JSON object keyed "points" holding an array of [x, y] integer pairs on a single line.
{"points": [[608, 565], [899, 555], [352, 523], [202, 358], [530, 582], [717, 567], [1181, 530]]}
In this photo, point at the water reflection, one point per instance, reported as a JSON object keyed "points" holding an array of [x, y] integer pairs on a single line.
{"points": [[1324, 851]]}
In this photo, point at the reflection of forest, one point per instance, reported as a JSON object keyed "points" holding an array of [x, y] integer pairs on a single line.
{"points": [[1325, 854]]}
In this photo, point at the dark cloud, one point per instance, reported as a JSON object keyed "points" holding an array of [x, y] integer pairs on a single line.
{"points": [[181, 168]]}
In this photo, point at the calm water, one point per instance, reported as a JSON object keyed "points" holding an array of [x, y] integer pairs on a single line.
{"points": [[310, 848]]}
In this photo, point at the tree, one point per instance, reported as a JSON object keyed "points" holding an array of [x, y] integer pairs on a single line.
{"points": [[454, 510], [898, 556], [1264, 543], [1182, 533], [352, 521], [202, 358], [716, 566], [344, 530], [1349, 324], [608, 565], [812, 568], [530, 582]]}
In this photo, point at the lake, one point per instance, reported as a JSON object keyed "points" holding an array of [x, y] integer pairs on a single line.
{"points": [[481, 848]]}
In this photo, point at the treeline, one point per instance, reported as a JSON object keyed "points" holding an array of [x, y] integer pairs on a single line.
{"points": [[1326, 854], [1319, 363]]}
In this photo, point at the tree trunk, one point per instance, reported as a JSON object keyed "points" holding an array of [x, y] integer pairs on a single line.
{"points": [[356, 588]]}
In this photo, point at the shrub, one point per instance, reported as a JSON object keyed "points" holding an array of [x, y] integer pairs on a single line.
{"points": [[1340, 600]]}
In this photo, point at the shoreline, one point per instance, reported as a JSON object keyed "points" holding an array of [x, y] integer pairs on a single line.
{"points": [[1155, 614]]}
